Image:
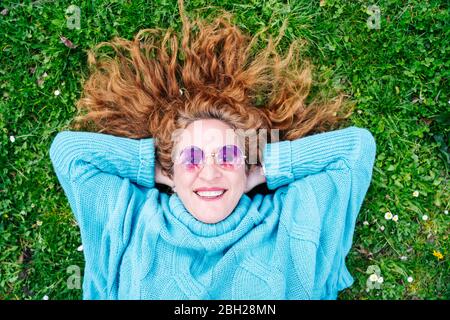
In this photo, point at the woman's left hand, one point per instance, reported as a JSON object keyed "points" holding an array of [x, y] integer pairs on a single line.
{"points": [[255, 177]]}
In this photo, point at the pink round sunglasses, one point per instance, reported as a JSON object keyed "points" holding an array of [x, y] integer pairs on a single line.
{"points": [[228, 157]]}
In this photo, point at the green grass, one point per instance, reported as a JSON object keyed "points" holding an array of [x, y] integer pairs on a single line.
{"points": [[398, 76]]}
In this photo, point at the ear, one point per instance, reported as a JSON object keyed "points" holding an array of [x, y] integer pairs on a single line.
{"points": [[255, 177], [161, 177]]}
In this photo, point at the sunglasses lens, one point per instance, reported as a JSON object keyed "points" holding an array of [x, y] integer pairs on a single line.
{"points": [[191, 157], [230, 156]]}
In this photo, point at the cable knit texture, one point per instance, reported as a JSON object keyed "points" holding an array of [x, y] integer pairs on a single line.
{"points": [[140, 243]]}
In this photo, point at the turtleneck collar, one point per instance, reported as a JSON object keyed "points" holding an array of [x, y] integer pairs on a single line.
{"points": [[209, 229], [184, 230]]}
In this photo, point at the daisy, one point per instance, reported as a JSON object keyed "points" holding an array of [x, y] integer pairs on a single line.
{"points": [[57, 92], [12, 139], [424, 217], [382, 228], [395, 218], [80, 248], [388, 215], [410, 279], [373, 277], [416, 193]]}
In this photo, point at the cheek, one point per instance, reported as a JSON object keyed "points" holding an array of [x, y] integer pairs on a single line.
{"points": [[183, 181], [238, 180]]}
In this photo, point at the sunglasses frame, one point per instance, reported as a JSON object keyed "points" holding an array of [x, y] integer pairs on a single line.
{"points": [[214, 155]]}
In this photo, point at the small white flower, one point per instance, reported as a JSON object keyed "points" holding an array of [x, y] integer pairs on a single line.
{"points": [[366, 223], [359, 111], [388, 215], [39, 223], [57, 92], [80, 248], [380, 280], [416, 193], [445, 211], [424, 217], [382, 228], [395, 218], [45, 297], [403, 258], [373, 277], [12, 139], [410, 279]]}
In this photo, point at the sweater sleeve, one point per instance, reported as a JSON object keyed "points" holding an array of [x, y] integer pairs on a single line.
{"points": [[80, 155], [102, 176], [288, 161], [330, 174]]}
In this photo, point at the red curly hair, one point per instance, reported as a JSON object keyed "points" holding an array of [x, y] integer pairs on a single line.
{"points": [[149, 86]]}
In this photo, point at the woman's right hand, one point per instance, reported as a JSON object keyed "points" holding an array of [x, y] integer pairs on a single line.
{"points": [[161, 178]]}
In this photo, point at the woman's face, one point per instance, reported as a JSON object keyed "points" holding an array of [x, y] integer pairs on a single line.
{"points": [[209, 135]]}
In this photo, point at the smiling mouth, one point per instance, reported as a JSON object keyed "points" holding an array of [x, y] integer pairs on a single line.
{"points": [[210, 195]]}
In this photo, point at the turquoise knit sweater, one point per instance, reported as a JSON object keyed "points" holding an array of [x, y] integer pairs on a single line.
{"points": [[141, 243]]}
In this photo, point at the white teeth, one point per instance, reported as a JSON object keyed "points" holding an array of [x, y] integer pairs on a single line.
{"points": [[210, 193]]}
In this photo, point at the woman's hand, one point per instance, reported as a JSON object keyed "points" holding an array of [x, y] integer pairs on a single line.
{"points": [[255, 177], [161, 178]]}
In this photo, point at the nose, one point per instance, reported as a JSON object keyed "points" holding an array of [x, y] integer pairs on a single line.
{"points": [[209, 170]]}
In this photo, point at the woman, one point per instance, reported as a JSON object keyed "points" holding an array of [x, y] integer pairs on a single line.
{"points": [[218, 124]]}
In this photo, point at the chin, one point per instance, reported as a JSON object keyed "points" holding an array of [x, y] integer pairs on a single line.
{"points": [[212, 220]]}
